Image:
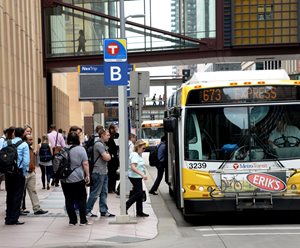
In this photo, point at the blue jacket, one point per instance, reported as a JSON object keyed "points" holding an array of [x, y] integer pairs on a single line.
{"points": [[23, 154]]}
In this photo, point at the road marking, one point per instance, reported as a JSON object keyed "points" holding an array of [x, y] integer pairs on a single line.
{"points": [[247, 228], [247, 234]]}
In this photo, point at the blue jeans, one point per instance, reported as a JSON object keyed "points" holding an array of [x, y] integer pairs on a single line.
{"points": [[99, 189]]}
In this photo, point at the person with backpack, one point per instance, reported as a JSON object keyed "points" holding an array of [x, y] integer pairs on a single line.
{"points": [[57, 142], [160, 166], [73, 185], [15, 180], [45, 154]]}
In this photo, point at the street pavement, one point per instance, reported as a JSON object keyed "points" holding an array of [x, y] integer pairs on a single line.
{"points": [[53, 230]]}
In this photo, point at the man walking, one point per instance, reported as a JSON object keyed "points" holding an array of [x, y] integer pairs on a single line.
{"points": [[162, 162]]}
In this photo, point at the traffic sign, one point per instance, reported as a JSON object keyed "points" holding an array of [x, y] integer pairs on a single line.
{"points": [[116, 73], [115, 50]]}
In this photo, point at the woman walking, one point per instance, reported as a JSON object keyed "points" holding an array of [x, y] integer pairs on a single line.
{"points": [[136, 173], [45, 154]]}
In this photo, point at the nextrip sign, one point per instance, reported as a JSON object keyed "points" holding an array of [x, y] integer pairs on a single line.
{"points": [[115, 50]]}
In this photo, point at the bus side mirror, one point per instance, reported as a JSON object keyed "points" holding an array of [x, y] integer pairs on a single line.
{"points": [[170, 124]]}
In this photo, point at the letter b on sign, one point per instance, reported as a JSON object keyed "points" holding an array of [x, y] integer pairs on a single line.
{"points": [[115, 73]]}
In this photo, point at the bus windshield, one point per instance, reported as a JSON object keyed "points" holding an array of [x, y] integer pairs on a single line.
{"points": [[242, 133]]}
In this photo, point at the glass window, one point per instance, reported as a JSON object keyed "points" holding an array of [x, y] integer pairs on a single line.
{"points": [[242, 133]]}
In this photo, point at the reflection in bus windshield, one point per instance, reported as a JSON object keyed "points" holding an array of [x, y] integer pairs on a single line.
{"points": [[243, 133]]}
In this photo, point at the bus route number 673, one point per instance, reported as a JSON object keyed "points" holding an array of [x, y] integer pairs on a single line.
{"points": [[197, 165]]}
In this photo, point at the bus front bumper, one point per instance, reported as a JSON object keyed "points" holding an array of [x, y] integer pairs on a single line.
{"points": [[200, 206]]}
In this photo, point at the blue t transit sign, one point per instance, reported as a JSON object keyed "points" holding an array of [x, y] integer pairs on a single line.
{"points": [[115, 50]]}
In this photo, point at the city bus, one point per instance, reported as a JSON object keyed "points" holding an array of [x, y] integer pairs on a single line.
{"points": [[225, 151], [151, 132]]}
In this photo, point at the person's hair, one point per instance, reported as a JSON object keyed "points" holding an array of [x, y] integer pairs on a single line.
{"points": [[52, 127], [19, 132], [27, 126], [39, 140], [45, 138], [59, 130], [138, 144], [163, 139], [98, 127], [10, 132], [73, 139], [74, 129], [131, 135], [102, 131]]}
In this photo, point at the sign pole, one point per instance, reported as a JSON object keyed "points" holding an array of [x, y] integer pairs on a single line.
{"points": [[123, 138]]}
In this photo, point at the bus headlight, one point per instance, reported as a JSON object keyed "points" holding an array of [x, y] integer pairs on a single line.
{"points": [[293, 187], [201, 188]]}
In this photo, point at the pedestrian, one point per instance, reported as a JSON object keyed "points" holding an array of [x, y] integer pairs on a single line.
{"points": [[137, 173], [154, 99], [162, 163], [114, 163], [160, 100], [131, 142], [2, 175], [30, 181], [73, 186], [57, 142], [15, 182], [99, 177], [45, 153], [81, 41], [27, 130]]}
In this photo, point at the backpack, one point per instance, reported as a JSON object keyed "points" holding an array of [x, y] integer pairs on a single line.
{"points": [[62, 163], [45, 153], [153, 156], [9, 157]]}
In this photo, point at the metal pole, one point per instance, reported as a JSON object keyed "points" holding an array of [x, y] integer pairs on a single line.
{"points": [[140, 94], [123, 125]]}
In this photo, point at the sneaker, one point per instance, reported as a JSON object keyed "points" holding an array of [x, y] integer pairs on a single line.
{"points": [[41, 211], [72, 224], [85, 224], [90, 214], [23, 213], [107, 214], [153, 193]]}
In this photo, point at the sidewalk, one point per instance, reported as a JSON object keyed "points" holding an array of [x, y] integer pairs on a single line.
{"points": [[52, 229]]}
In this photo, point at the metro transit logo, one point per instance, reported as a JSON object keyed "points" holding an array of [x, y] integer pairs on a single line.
{"points": [[115, 50]]}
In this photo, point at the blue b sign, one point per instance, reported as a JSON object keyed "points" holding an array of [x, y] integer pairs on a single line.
{"points": [[116, 73]]}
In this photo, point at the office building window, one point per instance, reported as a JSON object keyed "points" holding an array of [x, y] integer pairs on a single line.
{"points": [[264, 22]]}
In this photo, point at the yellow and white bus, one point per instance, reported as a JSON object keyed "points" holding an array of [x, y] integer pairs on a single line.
{"points": [[223, 154], [151, 132]]}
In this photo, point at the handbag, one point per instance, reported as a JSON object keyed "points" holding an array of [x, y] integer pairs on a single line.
{"points": [[144, 195]]}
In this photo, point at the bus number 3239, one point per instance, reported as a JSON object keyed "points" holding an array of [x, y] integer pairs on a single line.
{"points": [[197, 165]]}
